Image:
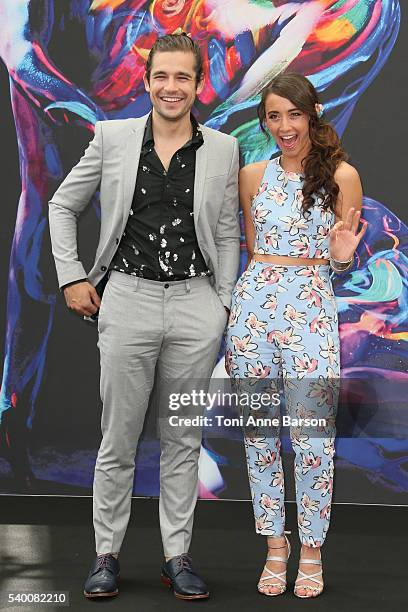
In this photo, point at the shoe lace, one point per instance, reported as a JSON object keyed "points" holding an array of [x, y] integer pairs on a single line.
{"points": [[103, 561], [184, 562]]}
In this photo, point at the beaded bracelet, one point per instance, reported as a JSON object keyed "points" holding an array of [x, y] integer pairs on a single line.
{"points": [[340, 266]]}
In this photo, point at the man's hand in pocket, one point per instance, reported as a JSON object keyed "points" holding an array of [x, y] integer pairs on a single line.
{"points": [[82, 298]]}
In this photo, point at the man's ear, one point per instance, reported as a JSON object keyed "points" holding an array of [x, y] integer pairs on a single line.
{"points": [[146, 83], [200, 84]]}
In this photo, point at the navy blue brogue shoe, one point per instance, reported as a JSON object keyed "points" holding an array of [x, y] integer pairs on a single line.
{"points": [[179, 575], [102, 580]]}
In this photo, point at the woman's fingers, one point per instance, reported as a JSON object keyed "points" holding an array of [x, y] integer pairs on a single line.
{"points": [[351, 223], [336, 227], [355, 221], [349, 219], [347, 232], [361, 233]]}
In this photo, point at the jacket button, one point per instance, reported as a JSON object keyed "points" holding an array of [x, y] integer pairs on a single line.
{"points": [[166, 286], [103, 268], [117, 240]]}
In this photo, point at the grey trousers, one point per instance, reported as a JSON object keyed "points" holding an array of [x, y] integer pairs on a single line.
{"points": [[147, 328]]}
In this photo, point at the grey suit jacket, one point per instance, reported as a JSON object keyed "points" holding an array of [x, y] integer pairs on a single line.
{"points": [[111, 162]]}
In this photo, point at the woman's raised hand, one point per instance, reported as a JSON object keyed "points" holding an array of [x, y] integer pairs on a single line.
{"points": [[344, 237]]}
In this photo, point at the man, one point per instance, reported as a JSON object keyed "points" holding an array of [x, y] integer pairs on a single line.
{"points": [[169, 251]]}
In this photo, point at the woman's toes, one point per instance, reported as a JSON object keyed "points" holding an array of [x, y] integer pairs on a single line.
{"points": [[270, 588]]}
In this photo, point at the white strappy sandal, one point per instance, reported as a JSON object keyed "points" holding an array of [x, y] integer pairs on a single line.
{"points": [[316, 590], [279, 578]]}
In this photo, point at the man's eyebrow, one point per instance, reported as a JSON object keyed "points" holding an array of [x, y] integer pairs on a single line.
{"points": [[163, 72]]}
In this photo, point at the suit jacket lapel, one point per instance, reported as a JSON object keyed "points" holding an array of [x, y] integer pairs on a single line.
{"points": [[199, 179], [131, 164]]}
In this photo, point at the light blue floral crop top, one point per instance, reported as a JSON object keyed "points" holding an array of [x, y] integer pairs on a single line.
{"points": [[281, 228]]}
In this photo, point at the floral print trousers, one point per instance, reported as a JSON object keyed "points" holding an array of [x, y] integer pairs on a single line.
{"points": [[282, 340]]}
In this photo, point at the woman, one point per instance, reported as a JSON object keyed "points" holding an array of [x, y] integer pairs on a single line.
{"points": [[301, 213]]}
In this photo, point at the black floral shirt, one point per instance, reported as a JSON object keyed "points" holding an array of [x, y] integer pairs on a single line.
{"points": [[159, 241]]}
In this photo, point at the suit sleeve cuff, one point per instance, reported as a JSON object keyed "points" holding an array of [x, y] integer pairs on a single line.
{"points": [[80, 280]]}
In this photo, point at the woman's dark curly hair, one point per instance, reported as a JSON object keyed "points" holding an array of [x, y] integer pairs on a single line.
{"points": [[326, 151]]}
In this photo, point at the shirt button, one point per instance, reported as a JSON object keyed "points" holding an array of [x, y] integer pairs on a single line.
{"points": [[103, 268], [117, 240], [166, 286]]}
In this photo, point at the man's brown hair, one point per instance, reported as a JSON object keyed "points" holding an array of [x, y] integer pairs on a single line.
{"points": [[176, 42]]}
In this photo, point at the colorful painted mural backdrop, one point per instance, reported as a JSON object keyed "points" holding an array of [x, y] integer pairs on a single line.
{"points": [[74, 62]]}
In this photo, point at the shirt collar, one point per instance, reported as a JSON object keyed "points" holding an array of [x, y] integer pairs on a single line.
{"points": [[196, 139]]}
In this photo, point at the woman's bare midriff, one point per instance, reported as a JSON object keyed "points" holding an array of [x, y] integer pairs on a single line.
{"points": [[286, 260]]}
